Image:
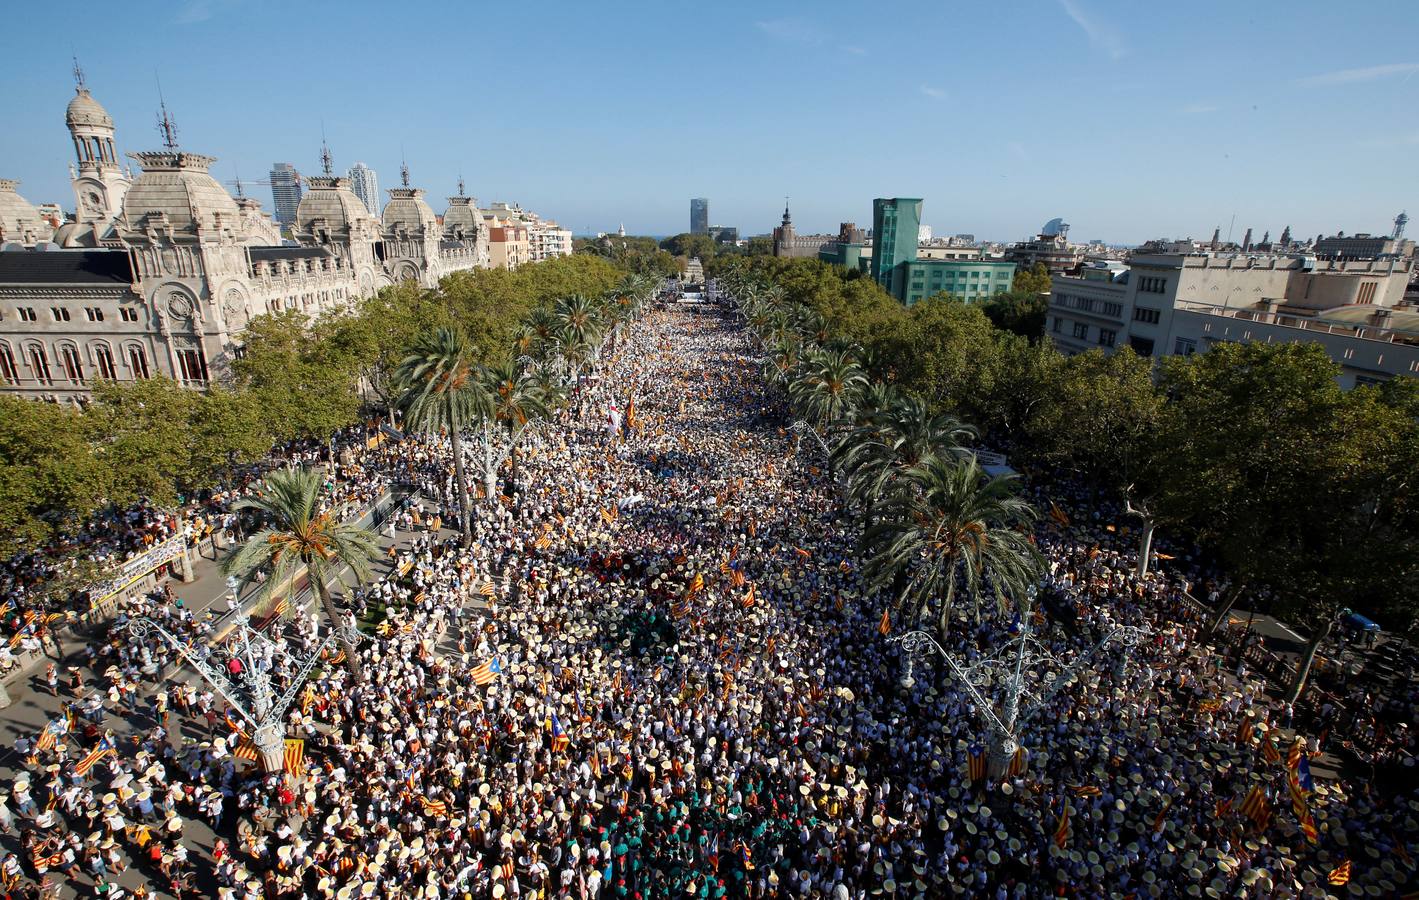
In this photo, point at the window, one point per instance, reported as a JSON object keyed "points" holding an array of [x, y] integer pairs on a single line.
{"points": [[194, 367], [127, 314], [1058, 322], [40, 363], [1184, 347], [60, 313], [138, 361], [104, 358], [1081, 331], [73, 369], [94, 313], [26, 313], [1152, 285], [9, 372], [1145, 315], [1107, 337], [1141, 345], [1111, 309]]}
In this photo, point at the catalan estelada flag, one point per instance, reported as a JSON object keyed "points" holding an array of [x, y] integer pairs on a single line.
{"points": [[103, 748], [559, 735], [1269, 751], [975, 762], [1058, 514], [485, 673], [1086, 790], [885, 626], [748, 600], [245, 750], [698, 584], [293, 757], [1018, 762], [486, 589]]}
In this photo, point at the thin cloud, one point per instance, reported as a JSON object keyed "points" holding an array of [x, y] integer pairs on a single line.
{"points": [[1100, 35], [1198, 109], [797, 30], [935, 93], [855, 51], [1353, 76]]}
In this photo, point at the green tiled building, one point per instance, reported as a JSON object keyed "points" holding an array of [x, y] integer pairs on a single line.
{"points": [[968, 279], [895, 223]]}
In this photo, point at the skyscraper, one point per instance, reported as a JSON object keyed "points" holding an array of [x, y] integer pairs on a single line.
{"points": [[365, 183], [894, 235], [699, 215], [285, 192]]}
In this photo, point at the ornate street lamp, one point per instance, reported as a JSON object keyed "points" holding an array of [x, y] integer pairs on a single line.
{"points": [[1012, 685], [240, 670]]}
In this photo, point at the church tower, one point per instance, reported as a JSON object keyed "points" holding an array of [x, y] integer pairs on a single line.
{"points": [[99, 181], [783, 235]]}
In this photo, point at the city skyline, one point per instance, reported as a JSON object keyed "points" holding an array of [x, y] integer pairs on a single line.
{"points": [[1131, 124]]}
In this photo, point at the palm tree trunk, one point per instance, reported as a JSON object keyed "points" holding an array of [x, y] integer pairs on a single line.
{"points": [[352, 660], [512, 475], [465, 515], [950, 599], [1145, 548], [1308, 658], [490, 474]]}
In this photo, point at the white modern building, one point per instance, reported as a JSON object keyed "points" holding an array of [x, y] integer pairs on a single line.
{"points": [[365, 183], [1175, 304]]}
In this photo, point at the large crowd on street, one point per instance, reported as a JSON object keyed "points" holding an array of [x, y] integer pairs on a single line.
{"points": [[657, 671]]}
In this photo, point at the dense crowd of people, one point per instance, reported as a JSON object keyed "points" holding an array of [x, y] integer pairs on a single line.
{"points": [[657, 672]]}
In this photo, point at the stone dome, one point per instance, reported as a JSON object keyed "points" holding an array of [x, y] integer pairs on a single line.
{"points": [[85, 110], [330, 198], [461, 217], [408, 211], [178, 186], [20, 222]]}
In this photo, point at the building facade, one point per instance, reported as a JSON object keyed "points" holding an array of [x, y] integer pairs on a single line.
{"points": [[365, 183], [1178, 304], [965, 279], [1050, 247], [894, 240], [166, 282], [699, 215], [21, 224], [788, 243], [285, 192]]}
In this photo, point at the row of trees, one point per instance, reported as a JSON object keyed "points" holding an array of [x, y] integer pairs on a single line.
{"points": [[932, 518], [441, 387], [1301, 492], [293, 380]]}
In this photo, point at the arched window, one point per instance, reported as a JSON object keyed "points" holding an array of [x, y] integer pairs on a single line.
{"points": [[193, 365], [9, 372], [137, 361], [73, 368], [40, 363], [103, 358]]}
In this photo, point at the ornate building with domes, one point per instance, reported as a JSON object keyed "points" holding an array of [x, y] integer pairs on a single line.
{"points": [[159, 274]]}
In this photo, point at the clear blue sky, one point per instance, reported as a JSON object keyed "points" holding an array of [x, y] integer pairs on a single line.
{"points": [[1131, 120]]}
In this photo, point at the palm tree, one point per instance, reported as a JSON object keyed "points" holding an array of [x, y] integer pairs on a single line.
{"points": [[891, 439], [579, 319], [827, 387], [946, 519], [299, 534], [517, 400], [440, 392]]}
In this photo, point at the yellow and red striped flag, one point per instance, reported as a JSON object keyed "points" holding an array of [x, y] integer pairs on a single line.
{"points": [[885, 626], [434, 807], [1340, 875], [103, 748], [1061, 831], [748, 600]]}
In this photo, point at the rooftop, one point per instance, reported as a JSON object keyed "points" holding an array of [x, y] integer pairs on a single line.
{"points": [[105, 267]]}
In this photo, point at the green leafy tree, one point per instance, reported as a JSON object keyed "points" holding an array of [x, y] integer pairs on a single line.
{"points": [[305, 387], [1022, 312], [1034, 280], [300, 534], [51, 480], [1243, 438], [141, 432]]}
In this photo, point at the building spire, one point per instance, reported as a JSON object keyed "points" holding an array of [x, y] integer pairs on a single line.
{"points": [[78, 74], [326, 164], [403, 173], [166, 126], [460, 184], [787, 220]]}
